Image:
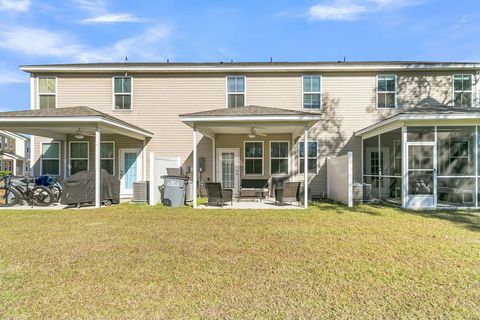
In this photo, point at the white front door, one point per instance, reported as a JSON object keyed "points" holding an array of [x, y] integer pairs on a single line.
{"points": [[130, 169], [228, 168]]}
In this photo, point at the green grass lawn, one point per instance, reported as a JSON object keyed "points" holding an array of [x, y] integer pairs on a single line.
{"points": [[132, 261]]}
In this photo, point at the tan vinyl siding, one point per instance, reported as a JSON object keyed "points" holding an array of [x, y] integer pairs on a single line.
{"points": [[348, 99]]}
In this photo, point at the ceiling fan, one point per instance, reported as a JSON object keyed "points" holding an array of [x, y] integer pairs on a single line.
{"points": [[253, 133], [79, 135]]}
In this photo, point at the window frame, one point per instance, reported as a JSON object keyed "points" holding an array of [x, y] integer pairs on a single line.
{"points": [[244, 89], [313, 92], [394, 92], [58, 159], [280, 158], [123, 94], [46, 94], [70, 155], [451, 142], [114, 155], [462, 91], [245, 158], [309, 158]]}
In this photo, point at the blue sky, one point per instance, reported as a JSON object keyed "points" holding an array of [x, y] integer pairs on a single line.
{"points": [[37, 32]]}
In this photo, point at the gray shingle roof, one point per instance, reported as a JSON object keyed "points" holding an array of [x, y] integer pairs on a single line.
{"points": [[80, 111], [250, 111]]}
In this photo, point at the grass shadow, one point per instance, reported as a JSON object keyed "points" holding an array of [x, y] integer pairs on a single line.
{"points": [[468, 220]]}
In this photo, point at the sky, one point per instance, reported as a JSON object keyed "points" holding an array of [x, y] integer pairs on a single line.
{"points": [[71, 31]]}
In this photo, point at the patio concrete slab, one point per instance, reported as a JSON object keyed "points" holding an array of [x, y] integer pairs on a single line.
{"points": [[250, 204]]}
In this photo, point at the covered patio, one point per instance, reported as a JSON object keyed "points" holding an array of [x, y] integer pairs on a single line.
{"points": [[423, 159], [252, 143], [60, 127]]}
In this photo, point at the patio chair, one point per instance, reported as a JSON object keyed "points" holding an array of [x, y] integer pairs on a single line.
{"points": [[217, 195], [289, 193]]}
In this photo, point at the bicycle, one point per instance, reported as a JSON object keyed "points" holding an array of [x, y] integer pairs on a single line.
{"points": [[18, 189], [53, 184]]}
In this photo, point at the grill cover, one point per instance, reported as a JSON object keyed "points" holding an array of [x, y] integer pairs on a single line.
{"points": [[80, 188]]}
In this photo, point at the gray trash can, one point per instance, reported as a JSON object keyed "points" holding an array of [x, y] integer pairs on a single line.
{"points": [[174, 191]]}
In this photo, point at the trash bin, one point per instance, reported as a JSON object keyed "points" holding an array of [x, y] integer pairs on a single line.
{"points": [[174, 190]]}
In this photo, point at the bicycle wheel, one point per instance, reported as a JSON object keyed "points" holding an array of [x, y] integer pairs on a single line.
{"points": [[57, 193], [42, 196], [10, 198]]}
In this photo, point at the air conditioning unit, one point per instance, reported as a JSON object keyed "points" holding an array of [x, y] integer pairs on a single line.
{"points": [[140, 191]]}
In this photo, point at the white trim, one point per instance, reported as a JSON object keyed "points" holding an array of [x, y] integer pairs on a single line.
{"points": [[268, 118], [476, 166], [195, 165], [311, 67], [279, 158], [92, 119], [350, 178], [58, 159], [477, 87], [70, 155], [123, 94], [394, 92], [114, 155], [244, 158], [412, 117], [32, 92], [32, 156], [97, 167], [244, 89], [462, 91], [309, 157], [306, 157], [313, 92], [46, 94]]}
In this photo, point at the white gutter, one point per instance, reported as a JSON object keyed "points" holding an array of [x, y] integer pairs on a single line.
{"points": [[250, 118], [13, 135], [411, 117], [264, 68], [73, 120]]}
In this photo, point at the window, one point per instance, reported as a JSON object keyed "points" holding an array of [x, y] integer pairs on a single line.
{"points": [[279, 157], [78, 156], [386, 91], [47, 92], [107, 156], [376, 162], [459, 149], [50, 159], [122, 93], [235, 91], [253, 158], [462, 90], [312, 95], [312, 157]]}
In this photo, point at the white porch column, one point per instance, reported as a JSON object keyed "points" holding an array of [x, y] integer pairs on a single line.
{"points": [[14, 167], [305, 167], [97, 168], [194, 167], [214, 169]]}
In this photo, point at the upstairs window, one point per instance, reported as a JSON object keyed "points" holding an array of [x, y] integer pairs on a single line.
{"points": [[47, 92], [312, 157], [122, 92], [386, 92], [462, 90], [253, 161], [235, 91], [312, 96]]}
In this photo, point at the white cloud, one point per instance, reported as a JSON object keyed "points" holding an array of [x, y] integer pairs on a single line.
{"points": [[150, 44], [11, 77], [99, 13], [15, 5], [354, 9], [112, 18]]}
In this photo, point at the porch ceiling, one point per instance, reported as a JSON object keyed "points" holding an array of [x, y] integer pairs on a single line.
{"points": [[59, 122], [242, 120]]}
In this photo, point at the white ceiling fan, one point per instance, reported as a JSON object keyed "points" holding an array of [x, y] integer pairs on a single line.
{"points": [[253, 133], [79, 135]]}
